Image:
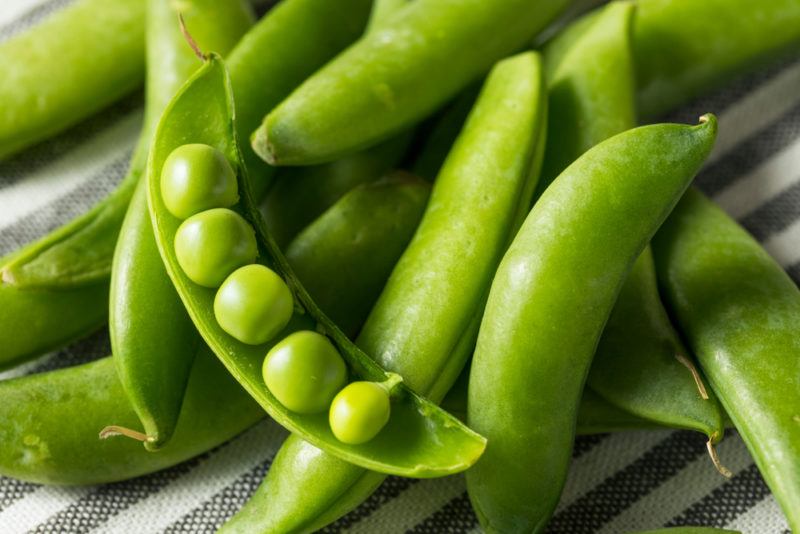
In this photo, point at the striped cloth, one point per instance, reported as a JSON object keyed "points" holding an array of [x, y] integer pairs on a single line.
{"points": [[618, 483]]}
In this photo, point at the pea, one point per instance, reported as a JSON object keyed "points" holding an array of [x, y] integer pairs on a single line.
{"points": [[359, 412], [212, 244], [304, 372], [253, 304], [197, 177]]}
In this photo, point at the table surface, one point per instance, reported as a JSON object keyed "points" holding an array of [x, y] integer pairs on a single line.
{"points": [[618, 483]]}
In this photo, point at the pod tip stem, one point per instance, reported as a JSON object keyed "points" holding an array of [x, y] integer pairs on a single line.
{"points": [[262, 146], [114, 430], [189, 39], [7, 277], [698, 380], [712, 452]]}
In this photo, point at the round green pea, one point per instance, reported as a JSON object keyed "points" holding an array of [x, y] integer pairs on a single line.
{"points": [[359, 412], [195, 178], [253, 304], [304, 371], [212, 244]]}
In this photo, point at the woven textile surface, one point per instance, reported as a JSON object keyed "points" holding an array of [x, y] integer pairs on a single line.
{"points": [[617, 483]]}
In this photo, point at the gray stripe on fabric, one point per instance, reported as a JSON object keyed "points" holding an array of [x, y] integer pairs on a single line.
{"points": [[775, 214], [24, 164], [719, 100], [391, 489], [619, 491], [31, 17], [750, 153], [90, 348], [12, 490], [794, 272], [584, 444], [727, 502], [213, 513], [106, 501], [455, 517], [57, 213]]}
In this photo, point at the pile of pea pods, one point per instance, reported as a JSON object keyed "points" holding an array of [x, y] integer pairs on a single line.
{"points": [[427, 237]]}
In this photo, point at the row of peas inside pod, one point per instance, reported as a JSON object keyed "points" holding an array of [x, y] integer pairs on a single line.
{"points": [[216, 248]]}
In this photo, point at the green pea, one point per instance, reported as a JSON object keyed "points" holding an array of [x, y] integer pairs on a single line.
{"points": [[212, 244], [253, 304], [359, 412], [304, 372], [197, 177]]}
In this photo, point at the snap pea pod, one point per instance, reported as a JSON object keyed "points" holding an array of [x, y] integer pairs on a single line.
{"points": [[636, 366], [684, 47], [69, 269], [298, 195], [595, 415], [152, 337], [49, 421], [407, 195], [424, 323], [396, 75], [740, 314], [549, 301], [76, 62], [419, 439]]}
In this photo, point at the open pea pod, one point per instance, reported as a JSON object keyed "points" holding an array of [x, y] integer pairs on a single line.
{"points": [[420, 440]]}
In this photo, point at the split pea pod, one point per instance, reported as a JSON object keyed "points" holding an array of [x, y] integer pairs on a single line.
{"points": [[152, 337], [684, 48], [636, 366], [549, 301], [76, 62], [434, 443], [67, 270], [740, 313], [396, 75], [59, 445], [424, 323]]}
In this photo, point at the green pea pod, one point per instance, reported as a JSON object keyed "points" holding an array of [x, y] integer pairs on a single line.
{"points": [[424, 323], [549, 301], [740, 314], [595, 415], [396, 75], [684, 47], [637, 366], [73, 64], [384, 10], [405, 195], [152, 337], [642, 366], [433, 442], [299, 195], [69, 269], [82, 399]]}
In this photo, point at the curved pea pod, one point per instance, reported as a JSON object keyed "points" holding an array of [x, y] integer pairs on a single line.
{"points": [[587, 106], [396, 75], [637, 365], [299, 195], [642, 366], [70, 268], [86, 397], [396, 204], [50, 423], [684, 48], [425, 321], [740, 314], [100, 58], [152, 337], [549, 301], [420, 439]]}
